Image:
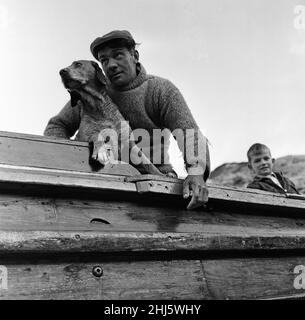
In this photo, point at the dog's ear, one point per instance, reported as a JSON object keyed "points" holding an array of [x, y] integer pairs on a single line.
{"points": [[75, 97], [99, 73]]}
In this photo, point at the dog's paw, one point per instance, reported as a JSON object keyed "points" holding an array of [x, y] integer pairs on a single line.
{"points": [[104, 154], [171, 175]]}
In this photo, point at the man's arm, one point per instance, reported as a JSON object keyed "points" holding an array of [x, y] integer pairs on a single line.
{"points": [[65, 123], [176, 115]]}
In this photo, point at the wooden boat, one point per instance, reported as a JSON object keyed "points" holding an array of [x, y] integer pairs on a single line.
{"points": [[68, 231]]}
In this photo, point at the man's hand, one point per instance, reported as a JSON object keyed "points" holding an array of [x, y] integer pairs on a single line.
{"points": [[195, 186]]}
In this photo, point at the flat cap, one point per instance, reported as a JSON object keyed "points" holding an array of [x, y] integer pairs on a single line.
{"points": [[116, 34]]}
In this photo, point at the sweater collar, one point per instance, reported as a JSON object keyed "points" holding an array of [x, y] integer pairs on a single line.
{"points": [[141, 77]]}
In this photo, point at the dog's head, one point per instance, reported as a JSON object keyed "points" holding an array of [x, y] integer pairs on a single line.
{"points": [[79, 74]]}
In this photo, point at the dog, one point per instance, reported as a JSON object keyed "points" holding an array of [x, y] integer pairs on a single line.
{"points": [[101, 118]]}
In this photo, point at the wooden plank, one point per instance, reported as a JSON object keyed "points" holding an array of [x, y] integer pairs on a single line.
{"points": [[44, 154], [256, 197], [43, 242], [231, 278], [300, 296], [149, 177], [28, 151], [20, 212], [253, 278], [240, 195], [120, 280], [17, 161], [34, 137], [62, 178], [295, 196]]}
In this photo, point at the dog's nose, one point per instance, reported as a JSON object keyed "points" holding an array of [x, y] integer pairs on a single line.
{"points": [[63, 71]]}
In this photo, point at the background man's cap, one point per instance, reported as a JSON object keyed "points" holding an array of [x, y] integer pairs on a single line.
{"points": [[116, 34]]}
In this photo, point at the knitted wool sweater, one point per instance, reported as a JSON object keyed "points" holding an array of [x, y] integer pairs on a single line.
{"points": [[150, 103]]}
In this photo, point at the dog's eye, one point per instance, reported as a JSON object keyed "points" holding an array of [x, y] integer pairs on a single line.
{"points": [[103, 61], [77, 64]]}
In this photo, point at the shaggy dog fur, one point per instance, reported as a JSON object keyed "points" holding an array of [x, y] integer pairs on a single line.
{"points": [[86, 83]]}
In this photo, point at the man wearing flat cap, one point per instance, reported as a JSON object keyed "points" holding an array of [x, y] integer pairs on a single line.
{"points": [[147, 102]]}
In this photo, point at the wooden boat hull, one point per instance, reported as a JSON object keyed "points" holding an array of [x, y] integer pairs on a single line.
{"points": [[79, 234]]}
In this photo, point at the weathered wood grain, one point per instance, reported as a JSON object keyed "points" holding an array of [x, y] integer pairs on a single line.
{"points": [[136, 216], [252, 278], [238, 195], [34, 137], [41, 152], [53, 178], [243, 278], [36, 160], [94, 241], [20, 212], [120, 280], [62, 178]]}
